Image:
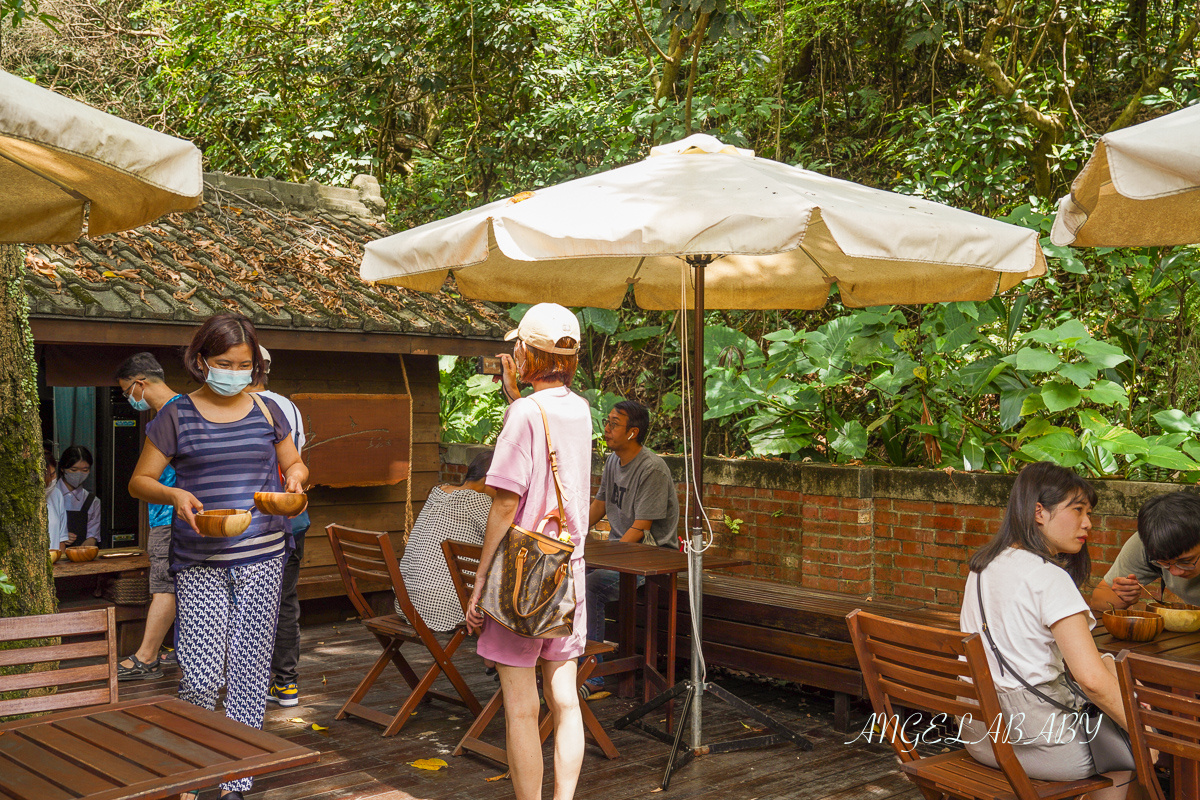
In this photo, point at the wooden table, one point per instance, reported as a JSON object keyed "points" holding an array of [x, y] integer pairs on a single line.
{"points": [[147, 749], [661, 567]]}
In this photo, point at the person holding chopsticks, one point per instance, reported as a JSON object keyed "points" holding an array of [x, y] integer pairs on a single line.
{"points": [[1165, 550]]}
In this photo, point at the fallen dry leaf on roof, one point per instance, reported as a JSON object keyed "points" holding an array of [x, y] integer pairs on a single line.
{"points": [[432, 764]]}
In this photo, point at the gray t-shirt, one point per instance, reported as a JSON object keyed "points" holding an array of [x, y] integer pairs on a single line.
{"points": [[1132, 561], [641, 489]]}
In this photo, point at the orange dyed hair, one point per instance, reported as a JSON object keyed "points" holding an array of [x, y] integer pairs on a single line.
{"points": [[543, 366]]}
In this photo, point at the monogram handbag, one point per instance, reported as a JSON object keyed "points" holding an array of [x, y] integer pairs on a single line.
{"points": [[529, 587]]}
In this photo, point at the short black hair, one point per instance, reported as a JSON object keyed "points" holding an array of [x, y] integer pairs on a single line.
{"points": [[141, 365], [48, 452], [1169, 525], [477, 470], [74, 454], [637, 416]]}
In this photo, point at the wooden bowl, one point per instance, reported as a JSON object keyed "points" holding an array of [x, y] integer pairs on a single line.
{"points": [[1135, 626], [222, 522], [86, 553], [282, 504], [55, 555], [1178, 617]]}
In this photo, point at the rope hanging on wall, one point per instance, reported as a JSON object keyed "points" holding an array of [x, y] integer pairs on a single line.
{"points": [[408, 515]]}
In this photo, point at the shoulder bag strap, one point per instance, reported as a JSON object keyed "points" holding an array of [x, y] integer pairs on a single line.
{"points": [[553, 454], [263, 408], [87, 503], [1000, 659]]}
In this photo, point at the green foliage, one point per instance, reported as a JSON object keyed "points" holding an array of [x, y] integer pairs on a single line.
{"points": [[472, 406]]}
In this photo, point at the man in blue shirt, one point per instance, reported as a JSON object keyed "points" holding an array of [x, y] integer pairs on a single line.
{"points": [[143, 383]]}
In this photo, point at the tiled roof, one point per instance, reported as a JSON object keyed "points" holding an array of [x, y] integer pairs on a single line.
{"points": [[285, 255]]}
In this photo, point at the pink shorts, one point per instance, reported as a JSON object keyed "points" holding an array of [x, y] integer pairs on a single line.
{"points": [[497, 643]]}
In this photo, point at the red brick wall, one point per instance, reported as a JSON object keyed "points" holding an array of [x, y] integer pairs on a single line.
{"points": [[903, 534]]}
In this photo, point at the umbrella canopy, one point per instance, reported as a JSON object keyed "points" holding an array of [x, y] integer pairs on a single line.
{"points": [[1140, 188], [783, 235], [58, 156]]}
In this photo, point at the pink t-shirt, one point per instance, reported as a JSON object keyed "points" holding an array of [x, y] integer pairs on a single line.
{"points": [[520, 464]]}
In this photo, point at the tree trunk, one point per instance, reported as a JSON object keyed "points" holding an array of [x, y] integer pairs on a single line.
{"points": [[23, 542]]}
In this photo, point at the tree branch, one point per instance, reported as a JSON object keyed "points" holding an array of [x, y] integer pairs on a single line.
{"points": [[1156, 77], [637, 10]]}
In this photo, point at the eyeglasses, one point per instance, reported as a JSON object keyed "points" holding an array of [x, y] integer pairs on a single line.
{"points": [[609, 424], [1182, 563], [125, 392]]}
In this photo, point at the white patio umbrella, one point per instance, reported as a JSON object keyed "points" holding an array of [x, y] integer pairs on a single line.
{"points": [[1140, 188], [59, 157], [702, 223]]}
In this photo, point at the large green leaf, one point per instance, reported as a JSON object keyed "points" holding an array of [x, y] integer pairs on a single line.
{"points": [[850, 439], [1060, 396], [1107, 393], [1029, 359], [1170, 458], [1174, 420], [1079, 374], [1121, 441], [1061, 447]]}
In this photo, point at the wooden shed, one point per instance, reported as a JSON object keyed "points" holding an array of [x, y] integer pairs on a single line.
{"points": [[286, 256]]}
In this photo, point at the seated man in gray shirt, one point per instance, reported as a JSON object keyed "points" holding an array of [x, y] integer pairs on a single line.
{"points": [[637, 494], [1165, 548]]}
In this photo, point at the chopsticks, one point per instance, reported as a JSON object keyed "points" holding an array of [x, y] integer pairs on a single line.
{"points": [[1148, 594]]}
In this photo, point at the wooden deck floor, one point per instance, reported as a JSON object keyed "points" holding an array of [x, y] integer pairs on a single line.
{"points": [[357, 763]]}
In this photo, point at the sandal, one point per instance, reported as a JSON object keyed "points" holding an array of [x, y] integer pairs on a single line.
{"points": [[140, 671]]}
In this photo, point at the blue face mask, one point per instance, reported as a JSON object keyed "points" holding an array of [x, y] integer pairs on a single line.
{"points": [[227, 382], [138, 405]]}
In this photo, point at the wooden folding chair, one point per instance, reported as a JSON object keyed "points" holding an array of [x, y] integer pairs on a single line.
{"points": [[909, 666], [367, 557], [79, 679], [1170, 725], [463, 560]]}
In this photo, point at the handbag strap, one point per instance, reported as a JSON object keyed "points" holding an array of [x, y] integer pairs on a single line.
{"points": [[553, 454], [1004, 664], [262, 407]]}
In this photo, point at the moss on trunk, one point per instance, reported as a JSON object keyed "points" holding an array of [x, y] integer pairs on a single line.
{"points": [[23, 542]]}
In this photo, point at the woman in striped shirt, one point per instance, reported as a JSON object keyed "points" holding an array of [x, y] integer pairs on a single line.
{"points": [[225, 445]]}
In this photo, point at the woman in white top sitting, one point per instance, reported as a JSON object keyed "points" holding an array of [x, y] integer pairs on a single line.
{"points": [[450, 512], [1027, 578]]}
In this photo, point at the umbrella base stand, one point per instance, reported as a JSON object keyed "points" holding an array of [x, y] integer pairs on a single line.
{"points": [[691, 690]]}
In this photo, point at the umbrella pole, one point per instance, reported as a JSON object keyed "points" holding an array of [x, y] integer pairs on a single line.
{"points": [[696, 523], [693, 690]]}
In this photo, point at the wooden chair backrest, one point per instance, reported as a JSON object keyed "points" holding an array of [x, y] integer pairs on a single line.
{"points": [[366, 558], [1171, 724], [940, 671], [463, 561], [84, 645]]}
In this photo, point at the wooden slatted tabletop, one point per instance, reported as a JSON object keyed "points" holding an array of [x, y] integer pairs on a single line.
{"points": [[146, 749]]}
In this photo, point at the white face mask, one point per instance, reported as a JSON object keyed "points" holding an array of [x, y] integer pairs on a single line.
{"points": [[227, 382], [75, 479]]}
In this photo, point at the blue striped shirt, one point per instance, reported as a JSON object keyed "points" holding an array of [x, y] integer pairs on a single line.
{"points": [[223, 464]]}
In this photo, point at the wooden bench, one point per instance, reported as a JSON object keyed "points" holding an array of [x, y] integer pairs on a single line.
{"points": [[791, 633]]}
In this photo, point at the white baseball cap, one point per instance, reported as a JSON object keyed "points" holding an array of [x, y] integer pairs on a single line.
{"points": [[266, 357], [543, 325]]}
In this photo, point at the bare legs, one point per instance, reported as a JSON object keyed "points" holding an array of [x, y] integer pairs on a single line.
{"points": [[159, 617], [521, 723]]}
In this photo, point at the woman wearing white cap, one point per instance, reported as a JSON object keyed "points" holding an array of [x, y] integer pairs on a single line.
{"points": [[545, 355]]}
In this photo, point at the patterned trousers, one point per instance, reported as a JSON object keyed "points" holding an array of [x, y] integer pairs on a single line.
{"points": [[226, 622]]}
